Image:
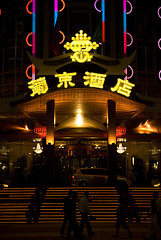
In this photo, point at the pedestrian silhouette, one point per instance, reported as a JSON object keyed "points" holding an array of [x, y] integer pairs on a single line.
{"points": [[71, 215], [33, 211], [84, 209], [66, 211], [122, 212]]}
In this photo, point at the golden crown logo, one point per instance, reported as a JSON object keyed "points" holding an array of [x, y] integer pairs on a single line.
{"points": [[81, 45]]}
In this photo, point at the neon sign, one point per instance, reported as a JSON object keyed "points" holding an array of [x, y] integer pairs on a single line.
{"points": [[123, 87], [81, 45], [159, 13], [159, 44], [94, 79], [65, 78], [38, 86]]}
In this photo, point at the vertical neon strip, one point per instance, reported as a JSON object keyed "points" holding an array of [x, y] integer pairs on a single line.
{"points": [[125, 33], [55, 11], [103, 20], [124, 27], [33, 35]]}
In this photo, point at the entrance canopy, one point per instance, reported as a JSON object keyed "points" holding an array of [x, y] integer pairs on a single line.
{"points": [[89, 103]]}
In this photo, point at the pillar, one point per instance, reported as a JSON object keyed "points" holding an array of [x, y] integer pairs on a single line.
{"points": [[50, 147], [50, 134], [112, 151]]}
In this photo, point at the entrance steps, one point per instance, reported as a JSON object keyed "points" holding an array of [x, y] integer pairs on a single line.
{"points": [[14, 203]]}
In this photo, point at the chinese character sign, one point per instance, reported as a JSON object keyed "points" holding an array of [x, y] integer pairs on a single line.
{"points": [[38, 86], [65, 78], [123, 87], [94, 79]]}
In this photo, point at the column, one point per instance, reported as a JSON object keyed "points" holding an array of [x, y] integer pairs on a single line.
{"points": [[112, 153], [50, 146]]}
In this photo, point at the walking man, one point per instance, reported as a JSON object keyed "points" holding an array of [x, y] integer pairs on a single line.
{"points": [[122, 211], [84, 209]]}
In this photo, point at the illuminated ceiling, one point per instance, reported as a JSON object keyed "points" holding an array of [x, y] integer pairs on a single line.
{"points": [[91, 102]]}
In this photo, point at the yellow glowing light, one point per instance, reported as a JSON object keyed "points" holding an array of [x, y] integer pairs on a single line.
{"points": [[26, 128], [121, 149], [94, 79], [38, 86], [145, 128], [81, 45], [65, 78], [38, 149], [79, 120], [123, 87]]}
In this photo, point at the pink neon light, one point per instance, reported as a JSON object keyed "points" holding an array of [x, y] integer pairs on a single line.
{"points": [[159, 13], [30, 45], [159, 75], [130, 7], [33, 44], [124, 6], [159, 44], [132, 72], [125, 43], [96, 7], [56, 5], [131, 39], [33, 5]]}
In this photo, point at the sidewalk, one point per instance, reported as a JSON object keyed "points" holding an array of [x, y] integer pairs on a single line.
{"points": [[40, 231]]}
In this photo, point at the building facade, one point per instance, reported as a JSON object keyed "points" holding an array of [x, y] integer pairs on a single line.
{"points": [[36, 44]]}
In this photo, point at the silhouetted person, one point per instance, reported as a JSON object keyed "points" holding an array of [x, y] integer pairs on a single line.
{"points": [[66, 211], [83, 207], [122, 212], [35, 205], [71, 215], [154, 228], [133, 210]]}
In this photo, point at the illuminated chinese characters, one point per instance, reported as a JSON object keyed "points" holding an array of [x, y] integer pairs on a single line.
{"points": [[81, 45], [38, 86], [94, 79], [65, 78], [123, 87]]}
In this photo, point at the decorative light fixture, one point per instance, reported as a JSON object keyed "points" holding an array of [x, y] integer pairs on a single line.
{"points": [[121, 149]]}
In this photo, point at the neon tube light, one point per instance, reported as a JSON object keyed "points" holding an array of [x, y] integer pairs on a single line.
{"points": [[55, 11], [96, 6], [63, 37], [130, 7], [159, 13], [27, 7], [124, 28], [131, 39], [63, 6], [159, 75], [29, 44], [33, 35], [103, 20], [27, 71], [159, 44], [33, 26], [132, 72]]}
